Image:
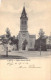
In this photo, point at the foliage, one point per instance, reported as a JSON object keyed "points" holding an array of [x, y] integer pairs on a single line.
{"points": [[41, 33], [40, 43], [8, 34]]}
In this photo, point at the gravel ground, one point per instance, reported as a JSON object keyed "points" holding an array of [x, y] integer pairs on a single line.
{"points": [[28, 54]]}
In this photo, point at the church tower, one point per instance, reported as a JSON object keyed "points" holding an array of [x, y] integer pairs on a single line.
{"points": [[23, 20], [26, 41]]}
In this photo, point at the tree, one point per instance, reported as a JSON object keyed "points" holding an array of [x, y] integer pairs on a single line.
{"points": [[15, 41], [42, 40], [8, 34], [40, 43], [5, 42], [41, 33]]}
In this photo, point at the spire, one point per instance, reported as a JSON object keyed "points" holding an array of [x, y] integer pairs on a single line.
{"points": [[24, 15], [24, 12]]}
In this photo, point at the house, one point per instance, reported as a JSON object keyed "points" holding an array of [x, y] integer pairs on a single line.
{"points": [[48, 42]]}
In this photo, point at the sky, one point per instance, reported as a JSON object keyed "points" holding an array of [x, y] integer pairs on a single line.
{"points": [[38, 12]]}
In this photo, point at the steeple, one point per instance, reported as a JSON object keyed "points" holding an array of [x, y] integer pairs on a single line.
{"points": [[23, 20], [24, 14]]}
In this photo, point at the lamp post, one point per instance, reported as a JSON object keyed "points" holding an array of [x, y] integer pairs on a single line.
{"points": [[40, 47]]}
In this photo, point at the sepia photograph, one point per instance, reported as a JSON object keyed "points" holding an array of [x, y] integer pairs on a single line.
{"points": [[25, 39]]}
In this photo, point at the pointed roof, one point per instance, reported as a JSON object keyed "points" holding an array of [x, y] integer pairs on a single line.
{"points": [[24, 14]]}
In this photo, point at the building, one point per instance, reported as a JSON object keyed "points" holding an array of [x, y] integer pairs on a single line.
{"points": [[48, 42], [26, 41]]}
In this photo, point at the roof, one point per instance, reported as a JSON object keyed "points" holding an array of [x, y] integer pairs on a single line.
{"points": [[32, 36], [24, 14]]}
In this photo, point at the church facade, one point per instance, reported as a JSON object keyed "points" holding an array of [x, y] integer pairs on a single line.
{"points": [[26, 41]]}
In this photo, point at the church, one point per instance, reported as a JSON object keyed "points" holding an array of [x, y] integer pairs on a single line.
{"points": [[26, 41]]}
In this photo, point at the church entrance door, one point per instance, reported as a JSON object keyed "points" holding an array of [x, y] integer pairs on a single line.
{"points": [[24, 45]]}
